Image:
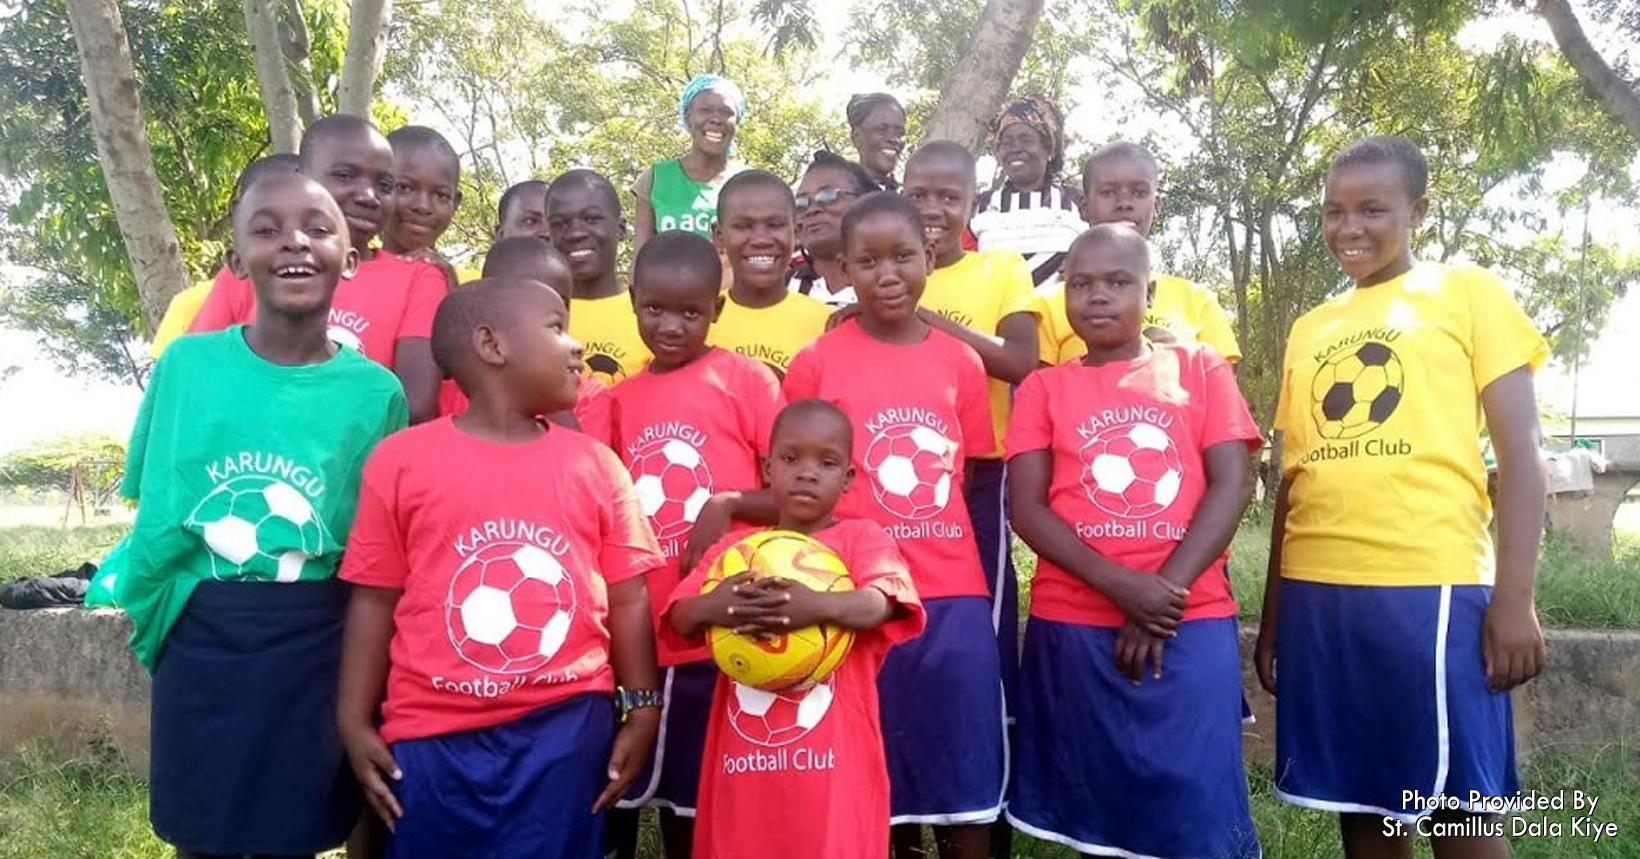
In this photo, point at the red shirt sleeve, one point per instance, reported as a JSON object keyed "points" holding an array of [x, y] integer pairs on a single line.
{"points": [[974, 404], [375, 553], [231, 302], [877, 563], [1031, 427], [592, 409], [760, 402], [1225, 415], [428, 287], [803, 376], [628, 548]]}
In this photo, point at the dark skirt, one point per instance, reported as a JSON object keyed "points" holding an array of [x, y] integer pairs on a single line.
{"points": [[246, 758]]}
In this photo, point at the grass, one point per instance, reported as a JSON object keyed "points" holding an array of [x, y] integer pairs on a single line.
{"points": [[1573, 590], [91, 807]]}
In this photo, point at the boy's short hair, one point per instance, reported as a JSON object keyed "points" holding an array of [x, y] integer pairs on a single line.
{"points": [[679, 249], [1112, 234], [947, 149], [422, 137], [484, 302], [863, 183], [335, 125], [513, 191], [1388, 149], [1120, 150], [754, 179], [512, 257], [813, 406], [585, 177], [272, 178], [270, 165], [877, 203]]}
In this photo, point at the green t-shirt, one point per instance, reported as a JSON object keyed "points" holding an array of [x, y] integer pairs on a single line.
{"points": [[244, 470], [680, 202]]}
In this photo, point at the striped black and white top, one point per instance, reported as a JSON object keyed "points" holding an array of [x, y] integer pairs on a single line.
{"points": [[1040, 225]]}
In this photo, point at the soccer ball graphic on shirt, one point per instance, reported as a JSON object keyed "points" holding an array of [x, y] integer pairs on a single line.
{"points": [[912, 468], [510, 607], [259, 527], [1132, 470], [672, 483], [773, 719], [1356, 390], [343, 337]]}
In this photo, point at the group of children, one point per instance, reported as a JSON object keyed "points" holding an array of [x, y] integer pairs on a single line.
{"points": [[508, 659]]}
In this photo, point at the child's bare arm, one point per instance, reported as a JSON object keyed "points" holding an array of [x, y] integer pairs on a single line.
{"points": [[632, 654], [1216, 518], [859, 610], [1264, 652], [737, 603], [419, 374], [1153, 603], [1513, 641], [365, 642], [721, 511], [1009, 355], [645, 226]]}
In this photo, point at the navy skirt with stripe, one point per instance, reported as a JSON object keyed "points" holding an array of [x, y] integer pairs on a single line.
{"points": [[943, 729], [520, 790], [1110, 768], [1383, 691], [987, 496], [245, 754]]}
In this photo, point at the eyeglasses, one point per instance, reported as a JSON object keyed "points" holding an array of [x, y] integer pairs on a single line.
{"points": [[823, 197]]}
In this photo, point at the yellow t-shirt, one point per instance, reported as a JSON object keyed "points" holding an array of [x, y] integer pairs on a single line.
{"points": [[978, 291], [1186, 309], [773, 335], [178, 314], [608, 331], [1381, 413]]}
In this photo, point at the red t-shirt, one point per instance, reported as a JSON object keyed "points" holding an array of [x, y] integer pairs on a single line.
{"points": [[588, 394], [389, 298], [801, 775], [919, 411], [685, 435], [1127, 441], [504, 553]]}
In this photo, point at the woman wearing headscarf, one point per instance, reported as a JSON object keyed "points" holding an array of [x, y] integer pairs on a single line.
{"points": [[681, 193], [1032, 211], [876, 125]]}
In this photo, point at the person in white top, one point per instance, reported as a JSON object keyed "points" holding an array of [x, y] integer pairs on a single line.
{"points": [[1032, 211]]}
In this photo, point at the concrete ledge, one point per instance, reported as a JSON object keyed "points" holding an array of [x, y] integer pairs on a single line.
{"points": [[66, 675]]}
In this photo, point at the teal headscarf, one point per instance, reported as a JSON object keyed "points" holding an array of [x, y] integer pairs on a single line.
{"points": [[712, 83]]}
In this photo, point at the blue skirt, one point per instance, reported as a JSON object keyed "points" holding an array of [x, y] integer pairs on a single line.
{"points": [[671, 778], [943, 729], [1113, 769], [245, 754], [1383, 691], [521, 790], [987, 496]]}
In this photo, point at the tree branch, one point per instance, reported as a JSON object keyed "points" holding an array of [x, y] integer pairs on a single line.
{"points": [[1615, 96]]}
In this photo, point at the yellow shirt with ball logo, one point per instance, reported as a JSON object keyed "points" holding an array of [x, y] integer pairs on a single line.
{"points": [[607, 329], [1380, 412], [774, 334], [979, 291]]}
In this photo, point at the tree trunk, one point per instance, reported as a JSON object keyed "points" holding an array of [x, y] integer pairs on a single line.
{"points": [[1619, 100], [278, 98], [297, 46], [127, 160], [367, 24], [979, 83]]}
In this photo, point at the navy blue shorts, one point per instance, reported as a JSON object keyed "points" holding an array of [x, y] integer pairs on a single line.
{"points": [[987, 497], [1383, 692], [943, 729], [522, 790], [245, 755], [1109, 768], [671, 779]]}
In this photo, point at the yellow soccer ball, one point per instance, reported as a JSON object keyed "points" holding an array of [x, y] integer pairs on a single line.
{"points": [[796, 659]]}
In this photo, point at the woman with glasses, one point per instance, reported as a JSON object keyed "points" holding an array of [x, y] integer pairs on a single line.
{"points": [[828, 186]]}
